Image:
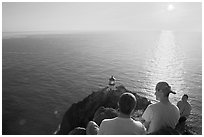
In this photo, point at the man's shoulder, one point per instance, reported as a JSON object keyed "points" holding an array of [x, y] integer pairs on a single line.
{"points": [[154, 105], [109, 120], [139, 126], [138, 123], [160, 105], [175, 108], [173, 105]]}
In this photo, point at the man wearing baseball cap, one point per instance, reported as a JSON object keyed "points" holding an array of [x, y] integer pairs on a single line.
{"points": [[163, 113]]}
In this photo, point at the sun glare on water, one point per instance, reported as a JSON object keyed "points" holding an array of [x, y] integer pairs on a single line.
{"points": [[170, 7]]}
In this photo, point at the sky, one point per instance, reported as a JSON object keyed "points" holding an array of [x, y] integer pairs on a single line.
{"points": [[101, 16]]}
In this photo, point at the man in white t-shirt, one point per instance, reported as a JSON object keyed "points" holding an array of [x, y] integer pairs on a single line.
{"points": [[162, 114], [123, 124]]}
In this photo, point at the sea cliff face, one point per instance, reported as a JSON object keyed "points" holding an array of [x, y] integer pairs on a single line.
{"points": [[79, 114]]}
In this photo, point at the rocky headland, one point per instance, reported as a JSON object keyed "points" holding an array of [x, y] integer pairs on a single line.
{"points": [[101, 105]]}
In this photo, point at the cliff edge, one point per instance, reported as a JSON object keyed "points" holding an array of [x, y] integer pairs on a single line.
{"points": [[79, 114], [103, 104]]}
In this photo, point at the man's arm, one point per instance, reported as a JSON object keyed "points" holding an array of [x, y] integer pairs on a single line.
{"points": [[146, 124], [178, 105], [101, 129], [147, 117], [188, 111]]}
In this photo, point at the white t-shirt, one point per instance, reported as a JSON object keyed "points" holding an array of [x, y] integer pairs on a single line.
{"points": [[121, 126], [161, 115]]}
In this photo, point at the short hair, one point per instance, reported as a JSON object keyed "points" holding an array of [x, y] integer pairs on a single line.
{"points": [[185, 95], [127, 103]]}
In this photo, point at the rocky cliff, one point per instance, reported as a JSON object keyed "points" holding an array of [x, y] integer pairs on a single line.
{"points": [[79, 114], [101, 105]]}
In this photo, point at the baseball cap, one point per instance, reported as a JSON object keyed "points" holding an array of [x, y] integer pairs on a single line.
{"points": [[164, 86]]}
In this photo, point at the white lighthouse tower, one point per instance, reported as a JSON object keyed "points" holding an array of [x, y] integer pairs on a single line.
{"points": [[111, 83]]}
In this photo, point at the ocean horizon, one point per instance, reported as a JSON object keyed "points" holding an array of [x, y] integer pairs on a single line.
{"points": [[43, 73]]}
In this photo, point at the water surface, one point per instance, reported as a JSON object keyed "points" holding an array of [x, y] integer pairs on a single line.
{"points": [[43, 74]]}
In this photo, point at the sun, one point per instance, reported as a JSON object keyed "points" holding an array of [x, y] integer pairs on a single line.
{"points": [[170, 7]]}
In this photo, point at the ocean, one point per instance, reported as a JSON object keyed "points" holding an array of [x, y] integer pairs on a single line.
{"points": [[44, 73]]}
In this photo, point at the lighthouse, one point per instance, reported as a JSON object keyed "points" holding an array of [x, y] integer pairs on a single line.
{"points": [[111, 83]]}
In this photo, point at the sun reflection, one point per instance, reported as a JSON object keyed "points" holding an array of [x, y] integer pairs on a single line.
{"points": [[166, 63], [165, 56]]}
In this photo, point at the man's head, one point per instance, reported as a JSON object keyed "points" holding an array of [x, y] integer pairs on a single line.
{"points": [[163, 90], [185, 97], [127, 103]]}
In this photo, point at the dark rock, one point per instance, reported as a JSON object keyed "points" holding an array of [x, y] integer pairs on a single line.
{"points": [[78, 131], [104, 113], [79, 114], [183, 129], [166, 131], [103, 105]]}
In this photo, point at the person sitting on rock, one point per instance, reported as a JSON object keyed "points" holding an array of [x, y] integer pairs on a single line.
{"points": [[123, 124], [163, 113], [184, 108]]}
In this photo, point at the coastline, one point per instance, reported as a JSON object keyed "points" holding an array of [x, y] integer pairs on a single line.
{"points": [[79, 114]]}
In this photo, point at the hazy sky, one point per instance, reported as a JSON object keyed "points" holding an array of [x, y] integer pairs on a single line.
{"points": [[68, 16]]}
